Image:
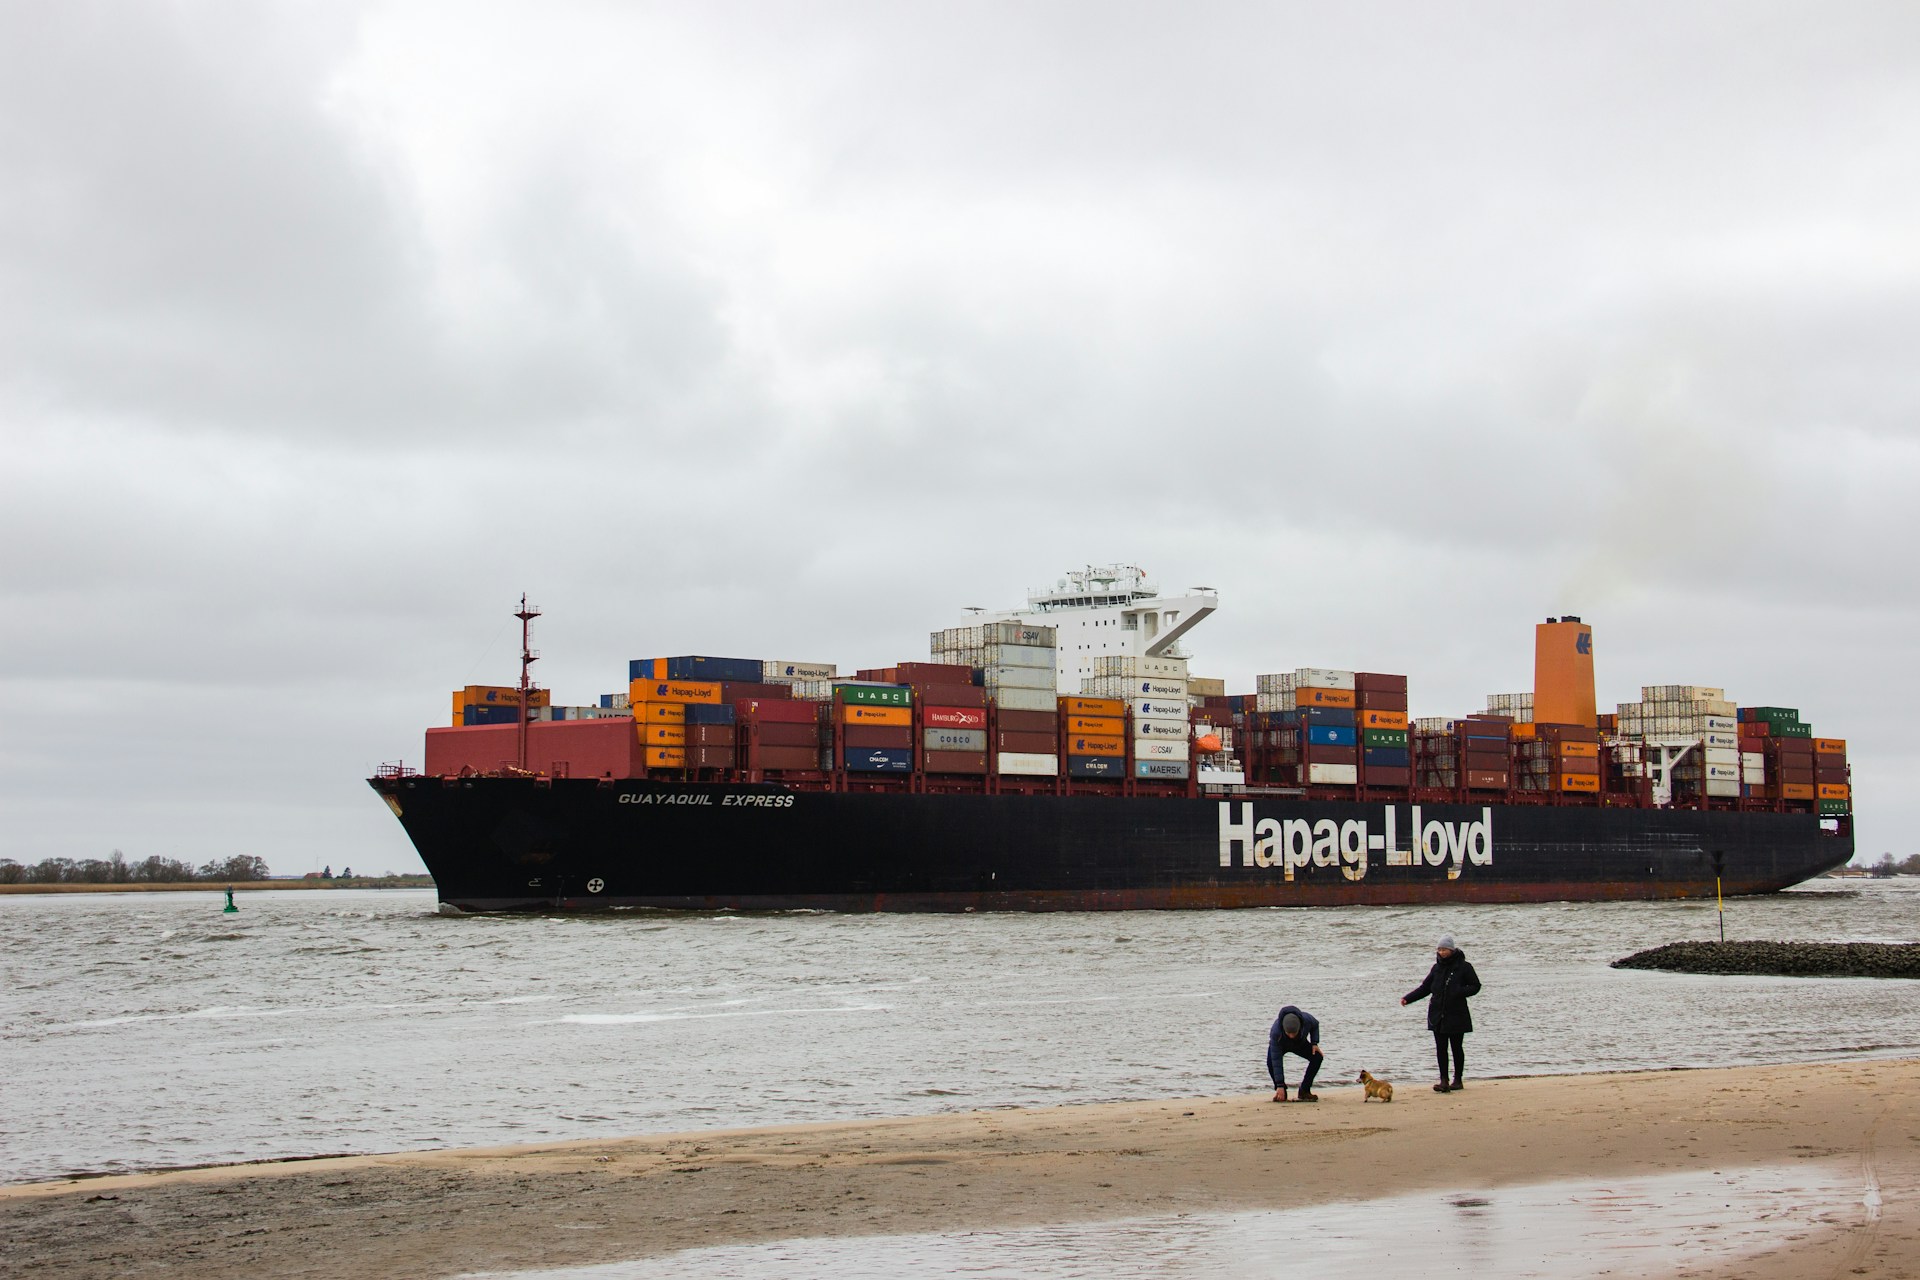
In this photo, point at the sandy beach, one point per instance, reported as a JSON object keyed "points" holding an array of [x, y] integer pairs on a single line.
{"points": [[447, 1212]]}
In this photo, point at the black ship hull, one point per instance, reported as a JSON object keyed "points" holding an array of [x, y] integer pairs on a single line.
{"points": [[520, 844]]}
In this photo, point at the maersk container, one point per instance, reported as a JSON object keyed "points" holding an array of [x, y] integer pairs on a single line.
{"points": [[1153, 749], [1333, 775], [1025, 699], [954, 739], [1332, 735], [880, 760], [781, 672], [1162, 770], [1028, 764], [1096, 766]]}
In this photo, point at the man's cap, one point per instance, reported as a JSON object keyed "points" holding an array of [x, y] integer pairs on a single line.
{"points": [[1290, 1024]]}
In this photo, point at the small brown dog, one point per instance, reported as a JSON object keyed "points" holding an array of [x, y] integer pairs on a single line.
{"points": [[1376, 1087]]}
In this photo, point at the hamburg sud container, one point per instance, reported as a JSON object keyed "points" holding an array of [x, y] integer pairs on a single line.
{"points": [[952, 717], [1380, 706], [873, 726], [1094, 731]]}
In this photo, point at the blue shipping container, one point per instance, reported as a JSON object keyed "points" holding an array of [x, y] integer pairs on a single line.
{"points": [[881, 759], [699, 667], [710, 713], [1388, 757], [1333, 735], [1345, 717], [490, 715], [1096, 766], [606, 700]]}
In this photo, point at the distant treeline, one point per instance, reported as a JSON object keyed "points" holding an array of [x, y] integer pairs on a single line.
{"points": [[1907, 866], [115, 869]]}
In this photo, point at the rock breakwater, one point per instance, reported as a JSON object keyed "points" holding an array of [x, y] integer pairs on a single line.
{"points": [[1783, 959]]}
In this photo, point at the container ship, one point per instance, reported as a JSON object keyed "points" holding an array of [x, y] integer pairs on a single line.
{"points": [[1062, 757]]}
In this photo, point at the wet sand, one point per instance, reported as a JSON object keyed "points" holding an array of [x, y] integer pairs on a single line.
{"points": [[447, 1212]]}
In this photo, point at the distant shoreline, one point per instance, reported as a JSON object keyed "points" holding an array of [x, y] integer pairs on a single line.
{"points": [[221, 886]]}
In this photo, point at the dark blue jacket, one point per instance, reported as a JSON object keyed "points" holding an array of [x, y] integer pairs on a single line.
{"points": [[1449, 982], [1279, 1041]]}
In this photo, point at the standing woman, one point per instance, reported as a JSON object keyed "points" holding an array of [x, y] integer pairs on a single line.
{"points": [[1450, 982]]}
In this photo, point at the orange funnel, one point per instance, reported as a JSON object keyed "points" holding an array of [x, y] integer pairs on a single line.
{"points": [[1563, 673]]}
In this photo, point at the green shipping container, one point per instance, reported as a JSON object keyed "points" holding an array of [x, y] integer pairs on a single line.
{"points": [[874, 695], [1772, 715], [1383, 737], [1835, 807], [1784, 730]]}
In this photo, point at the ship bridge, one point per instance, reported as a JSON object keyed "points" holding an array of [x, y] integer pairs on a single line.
{"points": [[1107, 610]]}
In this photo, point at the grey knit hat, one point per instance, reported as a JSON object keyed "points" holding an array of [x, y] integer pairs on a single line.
{"points": [[1290, 1024], [1445, 943]]}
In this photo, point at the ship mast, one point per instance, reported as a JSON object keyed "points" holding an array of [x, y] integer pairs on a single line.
{"points": [[527, 658]]}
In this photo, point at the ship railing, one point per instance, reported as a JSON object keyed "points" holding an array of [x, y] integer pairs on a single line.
{"points": [[396, 769]]}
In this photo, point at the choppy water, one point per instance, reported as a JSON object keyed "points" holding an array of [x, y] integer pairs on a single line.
{"points": [[139, 1031]]}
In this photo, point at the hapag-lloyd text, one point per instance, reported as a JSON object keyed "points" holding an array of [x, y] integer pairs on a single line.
{"points": [[1295, 843]]}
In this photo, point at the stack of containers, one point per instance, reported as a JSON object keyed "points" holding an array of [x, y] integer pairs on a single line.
{"points": [[788, 673], [659, 707], [493, 703], [1386, 756], [1689, 713], [1517, 707], [779, 735], [711, 734], [1324, 708], [951, 718], [1831, 780], [1094, 732], [1572, 754], [1155, 696], [873, 727], [1018, 670], [1483, 747], [1786, 745], [1436, 752]]}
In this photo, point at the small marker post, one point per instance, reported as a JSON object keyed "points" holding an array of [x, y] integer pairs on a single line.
{"points": [[230, 908], [1719, 901]]}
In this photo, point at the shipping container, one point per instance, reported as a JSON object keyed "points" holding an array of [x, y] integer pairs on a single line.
{"points": [[1374, 682], [1100, 726], [1584, 782], [954, 762], [1145, 729], [696, 667], [715, 757], [1097, 708], [951, 695], [954, 739], [1333, 775], [860, 713], [1025, 699], [891, 737], [661, 712], [1389, 776], [774, 711], [878, 760], [873, 695], [1370, 718], [1158, 709], [1317, 697], [1108, 766], [710, 735], [1025, 743], [664, 757], [654, 734], [1162, 770], [786, 672], [776, 733], [1383, 737], [953, 717], [1028, 764], [707, 713], [1082, 745], [674, 691], [1156, 750], [783, 759]]}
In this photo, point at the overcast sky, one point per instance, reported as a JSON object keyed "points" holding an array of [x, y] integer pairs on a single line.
{"points": [[788, 330]]}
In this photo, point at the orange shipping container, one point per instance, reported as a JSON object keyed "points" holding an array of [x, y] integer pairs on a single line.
{"points": [[858, 713], [661, 712], [1831, 747], [1579, 751], [656, 734], [1099, 726], [665, 757], [1080, 745], [1370, 719], [1325, 698], [1523, 733], [639, 691], [1835, 791], [1580, 782], [1796, 791], [1108, 707]]}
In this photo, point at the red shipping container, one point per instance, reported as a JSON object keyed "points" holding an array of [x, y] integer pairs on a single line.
{"points": [[1574, 764], [1044, 744], [740, 691], [951, 695], [1386, 776], [570, 748], [767, 711], [932, 673], [783, 758], [1485, 761], [953, 717], [780, 734], [710, 735], [1373, 681], [1383, 700], [709, 757], [1317, 754], [1047, 722], [1486, 780], [866, 736], [954, 762]]}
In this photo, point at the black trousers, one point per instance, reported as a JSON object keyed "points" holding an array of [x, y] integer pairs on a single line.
{"points": [[1277, 1050], [1441, 1042]]}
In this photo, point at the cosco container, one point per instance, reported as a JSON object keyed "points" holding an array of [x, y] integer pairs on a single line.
{"points": [[954, 739], [1028, 764]]}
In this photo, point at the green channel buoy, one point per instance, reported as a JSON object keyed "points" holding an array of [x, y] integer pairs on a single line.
{"points": [[230, 907]]}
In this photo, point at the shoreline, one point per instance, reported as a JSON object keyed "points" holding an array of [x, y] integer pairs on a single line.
{"points": [[209, 886], [585, 1201]]}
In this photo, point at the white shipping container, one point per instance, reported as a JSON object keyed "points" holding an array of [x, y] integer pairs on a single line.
{"points": [[955, 739], [1752, 760], [1028, 764], [1127, 664], [1018, 678], [1222, 777], [1721, 707], [1206, 687], [993, 633], [1721, 755], [1720, 724], [1273, 701], [1277, 682], [1719, 741], [1333, 775], [1021, 655], [1027, 699], [1144, 729], [1322, 678], [1716, 787], [1159, 709], [1722, 772], [786, 672], [1162, 749], [1156, 687]]}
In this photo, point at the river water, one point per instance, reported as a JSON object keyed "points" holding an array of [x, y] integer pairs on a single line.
{"points": [[141, 1031]]}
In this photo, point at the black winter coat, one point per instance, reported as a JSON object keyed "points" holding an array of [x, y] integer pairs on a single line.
{"points": [[1449, 982]]}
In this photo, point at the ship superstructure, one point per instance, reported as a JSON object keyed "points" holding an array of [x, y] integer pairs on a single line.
{"points": [[1110, 611]]}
